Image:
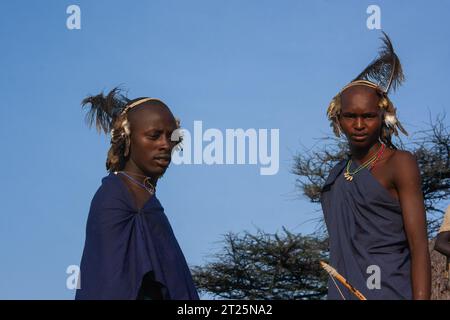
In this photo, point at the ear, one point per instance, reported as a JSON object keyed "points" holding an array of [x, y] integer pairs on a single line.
{"points": [[126, 128], [126, 152]]}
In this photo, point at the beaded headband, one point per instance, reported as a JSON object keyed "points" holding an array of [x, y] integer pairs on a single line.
{"points": [[138, 102]]}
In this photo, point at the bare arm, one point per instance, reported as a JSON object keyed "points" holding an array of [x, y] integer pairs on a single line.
{"points": [[408, 183], [442, 244]]}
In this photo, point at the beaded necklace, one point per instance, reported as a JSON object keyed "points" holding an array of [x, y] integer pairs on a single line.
{"points": [[147, 185], [370, 163]]}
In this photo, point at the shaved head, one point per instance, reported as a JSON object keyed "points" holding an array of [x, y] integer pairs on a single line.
{"points": [[139, 115], [359, 94]]}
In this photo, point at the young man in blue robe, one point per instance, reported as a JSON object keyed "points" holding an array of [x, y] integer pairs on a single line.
{"points": [[372, 201], [130, 250]]}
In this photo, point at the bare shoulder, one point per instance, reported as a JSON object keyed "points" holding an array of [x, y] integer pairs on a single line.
{"points": [[404, 164], [401, 159]]}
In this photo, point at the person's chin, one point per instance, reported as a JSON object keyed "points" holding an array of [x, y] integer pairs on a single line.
{"points": [[155, 171], [159, 169], [162, 171]]}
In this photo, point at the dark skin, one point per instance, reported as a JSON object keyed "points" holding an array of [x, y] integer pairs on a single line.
{"points": [[442, 244], [361, 122], [151, 127]]}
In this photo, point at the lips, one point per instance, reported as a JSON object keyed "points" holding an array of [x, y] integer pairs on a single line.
{"points": [[162, 160], [359, 137]]}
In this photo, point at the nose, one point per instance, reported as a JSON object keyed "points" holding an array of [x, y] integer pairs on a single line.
{"points": [[359, 123], [165, 143]]}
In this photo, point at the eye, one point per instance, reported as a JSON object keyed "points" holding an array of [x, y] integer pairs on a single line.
{"points": [[153, 136]]}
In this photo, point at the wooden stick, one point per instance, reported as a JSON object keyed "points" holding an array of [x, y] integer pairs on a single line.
{"points": [[342, 280]]}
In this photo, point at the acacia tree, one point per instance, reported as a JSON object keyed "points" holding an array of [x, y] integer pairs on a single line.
{"points": [[265, 266]]}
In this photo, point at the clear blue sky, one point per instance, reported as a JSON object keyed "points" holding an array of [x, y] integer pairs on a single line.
{"points": [[229, 63]]}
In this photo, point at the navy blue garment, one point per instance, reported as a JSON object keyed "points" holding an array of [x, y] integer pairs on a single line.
{"points": [[123, 244], [365, 228]]}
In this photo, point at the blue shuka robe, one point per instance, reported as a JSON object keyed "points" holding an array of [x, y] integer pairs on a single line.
{"points": [[365, 227], [124, 244]]}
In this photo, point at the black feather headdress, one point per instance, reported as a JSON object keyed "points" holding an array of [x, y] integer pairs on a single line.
{"points": [[386, 70], [382, 74], [103, 110]]}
